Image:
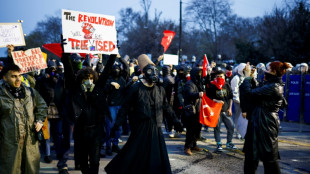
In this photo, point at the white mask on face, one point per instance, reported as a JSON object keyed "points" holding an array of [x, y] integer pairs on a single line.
{"points": [[88, 83], [174, 73]]}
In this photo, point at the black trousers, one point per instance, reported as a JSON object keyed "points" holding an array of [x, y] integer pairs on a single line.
{"points": [[270, 167], [193, 129], [87, 144]]}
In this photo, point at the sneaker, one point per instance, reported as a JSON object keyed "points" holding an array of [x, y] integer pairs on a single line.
{"points": [[108, 151], [63, 171], [48, 159], [219, 147], [201, 138], [230, 145], [115, 148], [196, 148], [188, 151], [171, 134]]}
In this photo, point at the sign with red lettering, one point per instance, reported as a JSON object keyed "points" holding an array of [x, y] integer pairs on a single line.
{"points": [[29, 60], [89, 33]]}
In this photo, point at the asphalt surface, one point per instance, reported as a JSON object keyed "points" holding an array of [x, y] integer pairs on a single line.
{"points": [[294, 148]]}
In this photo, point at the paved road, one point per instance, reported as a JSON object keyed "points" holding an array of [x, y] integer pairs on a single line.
{"points": [[294, 151]]}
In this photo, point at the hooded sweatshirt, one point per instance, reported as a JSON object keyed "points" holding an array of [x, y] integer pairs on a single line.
{"points": [[237, 81]]}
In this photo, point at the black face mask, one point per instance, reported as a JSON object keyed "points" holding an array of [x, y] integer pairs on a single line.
{"points": [[151, 74]]}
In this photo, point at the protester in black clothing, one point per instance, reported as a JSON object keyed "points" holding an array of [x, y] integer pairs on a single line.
{"points": [[261, 140], [168, 84], [115, 88], [46, 85], [145, 150], [89, 108], [193, 91], [180, 80]]}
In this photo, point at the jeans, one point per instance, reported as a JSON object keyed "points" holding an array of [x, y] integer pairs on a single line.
{"points": [[62, 139], [229, 126], [109, 125]]}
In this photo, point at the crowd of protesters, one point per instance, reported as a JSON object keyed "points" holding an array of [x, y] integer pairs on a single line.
{"points": [[94, 103]]}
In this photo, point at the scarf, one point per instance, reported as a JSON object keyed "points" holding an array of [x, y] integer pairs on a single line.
{"points": [[218, 82]]}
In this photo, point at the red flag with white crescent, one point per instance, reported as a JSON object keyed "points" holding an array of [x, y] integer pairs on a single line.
{"points": [[167, 39], [205, 66]]}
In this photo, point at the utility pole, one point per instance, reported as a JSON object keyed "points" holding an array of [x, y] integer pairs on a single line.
{"points": [[180, 33]]}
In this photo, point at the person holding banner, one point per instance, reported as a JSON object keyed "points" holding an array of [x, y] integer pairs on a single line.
{"points": [[261, 140], [89, 107], [145, 104], [23, 112], [220, 91]]}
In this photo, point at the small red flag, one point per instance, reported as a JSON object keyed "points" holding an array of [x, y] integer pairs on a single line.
{"points": [[54, 48], [209, 111], [166, 40], [205, 66]]}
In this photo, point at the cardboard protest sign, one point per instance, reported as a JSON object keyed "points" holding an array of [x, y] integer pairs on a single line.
{"points": [[11, 34], [170, 59], [89, 33], [29, 60]]}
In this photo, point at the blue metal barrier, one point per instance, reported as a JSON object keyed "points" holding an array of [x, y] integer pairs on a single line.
{"points": [[293, 109], [307, 100]]}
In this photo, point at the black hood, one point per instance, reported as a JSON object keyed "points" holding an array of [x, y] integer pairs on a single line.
{"points": [[166, 70], [194, 75]]}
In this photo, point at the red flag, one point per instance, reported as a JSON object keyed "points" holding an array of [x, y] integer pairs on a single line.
{"points": [[166, 40], [205, 66], [54, 48], [209, 111]]}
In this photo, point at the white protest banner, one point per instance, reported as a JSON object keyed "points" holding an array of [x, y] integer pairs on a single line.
{"points": [[11, 34], [29, 60], [89, 33], [170, 59]]}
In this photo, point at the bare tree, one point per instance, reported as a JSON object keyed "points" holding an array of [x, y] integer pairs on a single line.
{"points": [[209, 15], [146, 5]]}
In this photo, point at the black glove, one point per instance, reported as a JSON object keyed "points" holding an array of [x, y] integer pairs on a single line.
{"points": [[178, 126]]}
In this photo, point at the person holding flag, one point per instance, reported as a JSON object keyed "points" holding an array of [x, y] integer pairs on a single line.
{"points": [[221, 92]]}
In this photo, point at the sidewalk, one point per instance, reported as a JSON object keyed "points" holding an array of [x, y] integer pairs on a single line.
{"points": [[295, 133]]}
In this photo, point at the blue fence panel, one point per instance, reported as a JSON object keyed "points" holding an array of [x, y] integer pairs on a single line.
{"points": [[294, 98], [307, 100]]}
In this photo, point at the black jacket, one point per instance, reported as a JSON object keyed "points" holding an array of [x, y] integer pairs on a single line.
{"points": [[261, 140], [192, 89], [91, 105]]}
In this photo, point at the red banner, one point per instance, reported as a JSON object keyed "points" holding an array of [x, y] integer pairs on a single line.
{"points": [[56, 49], [205, 66], [209, 111], [167, 39]]}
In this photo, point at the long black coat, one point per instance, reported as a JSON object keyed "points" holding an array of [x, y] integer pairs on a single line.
{"points": [[145, 150], [261, 140]]}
